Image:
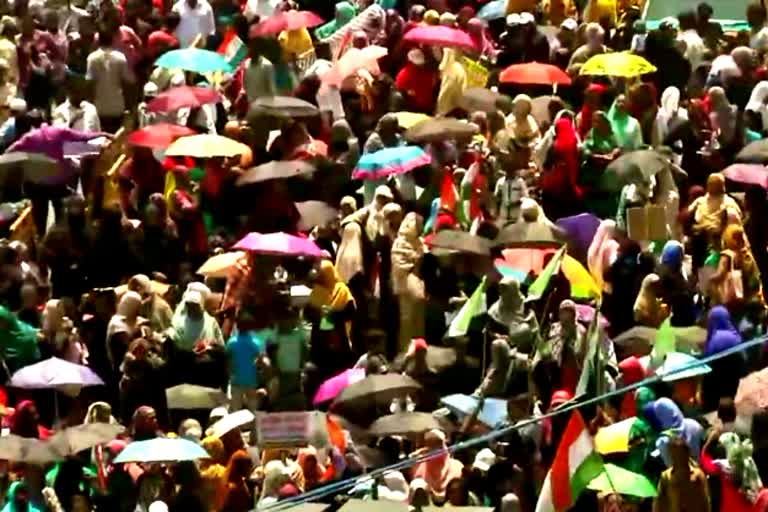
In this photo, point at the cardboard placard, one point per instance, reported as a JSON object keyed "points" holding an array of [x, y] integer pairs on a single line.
{"points": [[284, 429], [647, 223]]}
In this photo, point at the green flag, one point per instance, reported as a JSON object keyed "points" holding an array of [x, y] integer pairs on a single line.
{"points": [[473, 308], [539, 286], [590, 380], [665, 343]]}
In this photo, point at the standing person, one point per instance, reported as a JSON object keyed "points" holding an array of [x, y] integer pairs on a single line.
{"points": [[245, 346], [683, 487], [407, 285], [76, 112], [195, 20], [108, 68]]}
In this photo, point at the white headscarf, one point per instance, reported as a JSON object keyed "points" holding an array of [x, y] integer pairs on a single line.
{"points": [[669, 110], [757, 102]]}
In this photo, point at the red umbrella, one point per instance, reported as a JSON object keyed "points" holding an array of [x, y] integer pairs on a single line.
{"points": [[749, 174], [534, 73], [184, 96], [158, 136], [440, 36], [289, 20]]}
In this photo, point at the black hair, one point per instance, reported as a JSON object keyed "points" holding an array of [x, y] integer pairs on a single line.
{"points": [[172, 20], [687, 20], [106, 37]]}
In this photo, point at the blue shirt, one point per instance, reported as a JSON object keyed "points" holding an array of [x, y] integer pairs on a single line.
{"points": [[242, 349]]}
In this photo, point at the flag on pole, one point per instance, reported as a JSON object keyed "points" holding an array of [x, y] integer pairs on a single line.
{"points": [[592, 367], [471, 309], [576, 464], [449, 199], [665, 343], [233, 48], [539, 286]]}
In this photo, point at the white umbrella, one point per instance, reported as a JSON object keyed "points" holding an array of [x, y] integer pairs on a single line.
{"points": [[58, 374], [73, 440], [191, 396], [231, 422]]}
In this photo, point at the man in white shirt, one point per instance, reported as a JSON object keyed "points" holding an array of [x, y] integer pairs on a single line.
{"points": [[76, 112], [196, 20], [108, 68], [259, 76]]}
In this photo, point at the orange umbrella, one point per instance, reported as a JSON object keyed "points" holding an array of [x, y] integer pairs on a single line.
{"points": [[534, 73]]}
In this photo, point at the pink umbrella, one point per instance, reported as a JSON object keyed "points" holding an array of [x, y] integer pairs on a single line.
{"points": [[440, 36], [749, 174], [752, 394], [333, 387], [354, 60], [281, 244], [287, 20], [181, 97]]}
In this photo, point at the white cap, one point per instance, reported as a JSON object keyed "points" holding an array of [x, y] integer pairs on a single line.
{"points": [[513, 19], [526, 18], [150, 89], [17, 105], [484, 459], [193, 297], [158, 506], [569, 24]]}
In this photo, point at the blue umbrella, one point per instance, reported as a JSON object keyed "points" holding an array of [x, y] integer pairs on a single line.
{"points": [[161, 449], [679, 366], [194, 59], [493, 10], [390, 161], [493, 414]]}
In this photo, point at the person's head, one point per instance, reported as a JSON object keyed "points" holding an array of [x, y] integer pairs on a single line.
{"points": [[359, 39], [411, 226], [522, 106], [687, 20], [431, 17], [18, 107], [129, 305], [734, 238], [144, 423], [566, 314], [601, 124], [192, 3], [191, 429], [680, 453], [8, 27], [107, 37], [344, 12], [704, 12], [594, 34], [756, 15], [171, 21], [194, 304], [388, 126], [239, 467], [50, 20], [716, 184], [456, 492], [621, 104], [416, 13], [382, 197]]}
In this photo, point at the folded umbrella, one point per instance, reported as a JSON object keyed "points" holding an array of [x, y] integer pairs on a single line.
{"points": [[282, 106], [31, 167], [480, 98], [58, 374], [158, 136], [275, 170], [161, 449], [404, 423], [752, 393], [439, 35], [207, 146], [194, 59], [314, 213], [436, 130], [232, 421], [73, 440], [461, 241], [332, 387], [185, 96], [493, 413], [633, 167], [353, 61], [28, 450], [390, 162], [615, 479], [280, 244], [534, 73], [191, 396], [619, 64], [748, 174], [754, 152], [286, 20]]}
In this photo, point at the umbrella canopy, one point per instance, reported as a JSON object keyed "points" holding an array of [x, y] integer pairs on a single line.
{"points": [[158, 136], [529, 259], [620, 64], [461, 241], [389, 162], [275, 170], [71, 441], [614, 438], [280, 244], [404, 423], [332, 387], [380, 389], [633, 167], [534, 73], [283, 106], [191, 396], [435, 130], [679, 366], [752, 393], [32, 451], [580, 230], [314, 213], [530, 234], [232, 421], [194, 59], [185, 96], [354, 60], [493, 413], [219, 265], [34, 167], [494, 10], [161, 449], [639, 340], [286, 20], [55, 373], [440, 35], [408, 119], [615, 479], [206, 146], [748, 174], [754, 153], [480, 98], [509, 271]]}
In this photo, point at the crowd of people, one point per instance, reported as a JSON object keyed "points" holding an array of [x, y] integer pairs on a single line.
{"points": [[385, 213]]}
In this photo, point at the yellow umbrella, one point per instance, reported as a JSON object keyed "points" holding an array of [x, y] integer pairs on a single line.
{"points": [[408, 119], [621, 64], [221, 264], [583, 286], [614, 438], [206, 146]]}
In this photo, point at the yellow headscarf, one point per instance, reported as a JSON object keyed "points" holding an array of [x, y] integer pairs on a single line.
{"points": [[295, 43], [329, 289]]}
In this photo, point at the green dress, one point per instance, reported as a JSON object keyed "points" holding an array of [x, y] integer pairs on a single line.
{"points": [[18, 341]]}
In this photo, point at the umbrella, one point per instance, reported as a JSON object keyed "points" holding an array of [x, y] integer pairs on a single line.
{"points": [[389, 162], [528, 259], [493, 413], [194, 59], [286, 20], [185, 96], [283, 106], [440, 36], [530, 234], [436, 130], [408, 119], [480, 98], [614, 438], [620, 64], [220, 265], [281, 244], [158, 136], [462, 241], [494, 10], [748, 174], [232, 421], [34, 167], [672, 369], [754, 152], [277, 169], [580, 229], [71, 441], [633, 167], [381, 389], [191, 396], [354, 60], [55, 373], [752, 393], [331, 388], [534, 73], [404, 423], [639, 340], [161, 449], [33, 451], [507, 270], [206, 146], [314, 213], [615, 479]]}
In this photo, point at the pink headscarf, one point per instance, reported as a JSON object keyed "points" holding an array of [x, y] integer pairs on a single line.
{"points": [[602, 251]]}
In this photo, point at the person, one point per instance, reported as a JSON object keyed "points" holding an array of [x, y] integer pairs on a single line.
{"points": [[592, 103], [344, 13], [238, 496], [559, 183], [112, 77], [736, 258], [695, 48], [676, 288], [437, 472], [164, 39], [196, 21], [756, 110], [453, 82], [76, 112], [123, 327], [245, 346], [407, 285], [600, 147], [417, 82], [20, 341], [723, 117], [740, 483], [683, 486], [521, 124], [510, 317], [193, 329], [711, 213], [594, 35], [626, 129]]}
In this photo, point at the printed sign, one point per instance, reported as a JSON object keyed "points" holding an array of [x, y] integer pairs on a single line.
{"points": [[284, 429]]}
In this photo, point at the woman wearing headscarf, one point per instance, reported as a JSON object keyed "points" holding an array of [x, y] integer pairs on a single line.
{"points": [[193, 329], [599, 149], [311, 468], [667, 419], [669, 112], [295, 44], [740, 483], [123, 328], [497, 379], [642, 438], [407, 284], [736, 258], [345, 12], [61, 338], [711, 214], [18, 499], [238, 495], [593, 98], [559, 183], [344, 148], [509, 318], [724, 119], [18, 341], [521, 125], [626, 129], [692, 132], [140, 371], [25, 421], [602, 252], [676, 289], [564, 348], [213, 472], [276, 474], [642, 106], [153, 307], [440, 470], [453, 82], [476, 30], [417, 82], [649, 308], [756, 110]]}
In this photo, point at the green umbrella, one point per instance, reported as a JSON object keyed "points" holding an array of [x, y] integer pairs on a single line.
{"points": [[619, 480], [194, 59]]}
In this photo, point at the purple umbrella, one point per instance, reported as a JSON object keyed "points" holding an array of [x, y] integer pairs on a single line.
{"points": [[580, 230], [58, 374], [281, 244], [332, 387]]}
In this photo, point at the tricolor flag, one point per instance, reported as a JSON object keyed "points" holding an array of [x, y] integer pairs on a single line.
{"points": [[576, 464], [539, 286], [233, 49], [473, 308]]}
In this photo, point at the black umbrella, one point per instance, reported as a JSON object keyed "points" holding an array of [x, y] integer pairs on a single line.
{"points": [[436, 130], [461, 241], [378, 389], [639, 340], [275, 170], [633, 167], [480, 98], [283, 106], [754, 153], [530, 234], [33, 167], [315, 213], [403, 423]]}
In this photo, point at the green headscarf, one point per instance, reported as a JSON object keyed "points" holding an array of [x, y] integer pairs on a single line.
{"points": [[743, 469], [626, 128], [18, 341], [10, 505], [345, 11], [599, 144], [642, 438]]}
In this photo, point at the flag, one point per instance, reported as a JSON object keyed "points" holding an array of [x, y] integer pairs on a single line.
{"points": [[471, 309], [539, 286], [590, 380], [576, 464], [665, 343], [233, 48], [583, 286]]}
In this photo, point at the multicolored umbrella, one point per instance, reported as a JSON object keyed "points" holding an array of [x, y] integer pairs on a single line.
{"points": [[615, 479], [158, 136], [534, 73], [528, 259], [332, 387], [390, 161], [620, 64], [161, 449], [614, 438], [752, 393], [439, 35], [194, 59], [286, 20], [754, 153], [580, 230], [55, 373], [220, 265], [494, 10], [185, 96], [507, 270], [354, 60], [206, 146], [280, 244]]}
